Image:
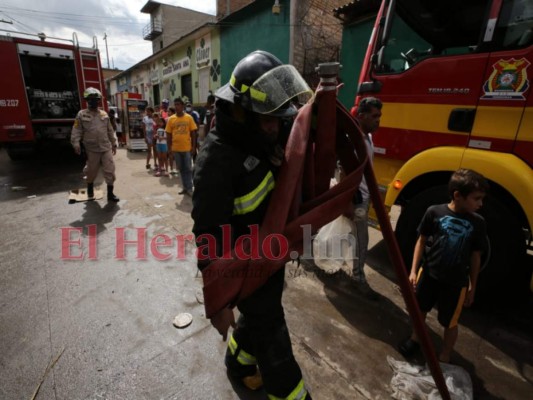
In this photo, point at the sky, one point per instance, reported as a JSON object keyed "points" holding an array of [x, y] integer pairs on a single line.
{"points": [[120, 20]]}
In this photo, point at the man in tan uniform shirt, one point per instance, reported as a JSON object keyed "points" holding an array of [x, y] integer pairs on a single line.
{"points": [[93, 127]]}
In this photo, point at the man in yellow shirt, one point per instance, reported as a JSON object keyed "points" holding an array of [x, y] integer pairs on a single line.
{"points": [[181, 130]]}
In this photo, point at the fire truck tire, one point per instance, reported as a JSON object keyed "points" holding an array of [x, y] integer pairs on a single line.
{"points": [[20, 152], [410, 217], [506, 277]]}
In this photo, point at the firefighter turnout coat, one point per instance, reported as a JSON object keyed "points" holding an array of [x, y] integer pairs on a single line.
{"points": [[233, 181]]}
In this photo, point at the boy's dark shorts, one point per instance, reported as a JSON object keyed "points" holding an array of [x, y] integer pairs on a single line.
{"points": [[449, 299]]}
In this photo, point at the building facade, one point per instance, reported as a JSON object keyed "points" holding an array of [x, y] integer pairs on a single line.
{"points": [[196, 59], [300, 32], [358, 19], [168, 23], [185, 59]]}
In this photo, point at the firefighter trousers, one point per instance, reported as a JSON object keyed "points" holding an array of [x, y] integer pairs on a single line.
{"points": [[105, 159], [261, 339]]}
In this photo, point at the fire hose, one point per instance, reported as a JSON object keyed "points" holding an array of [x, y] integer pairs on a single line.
{"points": [[322, 133]]}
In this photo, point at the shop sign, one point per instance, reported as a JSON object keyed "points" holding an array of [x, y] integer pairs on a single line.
{"points": [[154, 76], [203, 52], [138, 79], [180, 66]]}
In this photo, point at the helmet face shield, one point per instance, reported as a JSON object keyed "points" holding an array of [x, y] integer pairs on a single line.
{"points": [[272, 90], [260, 83]]}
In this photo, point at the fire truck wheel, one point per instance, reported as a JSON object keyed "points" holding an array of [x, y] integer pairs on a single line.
{"points": [[506, 277], [410, 217], [20, 152]]}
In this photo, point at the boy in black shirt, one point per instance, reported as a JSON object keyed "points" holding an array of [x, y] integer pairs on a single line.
{"points": [[451, 239]]}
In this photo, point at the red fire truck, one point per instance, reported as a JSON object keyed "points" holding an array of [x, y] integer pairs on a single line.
{"points": [[42, 83], [454, 77]]}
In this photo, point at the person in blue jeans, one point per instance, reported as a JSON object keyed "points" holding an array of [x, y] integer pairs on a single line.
{"points": [[181, 130], [148, 126], [368, 116], [162, 149]]}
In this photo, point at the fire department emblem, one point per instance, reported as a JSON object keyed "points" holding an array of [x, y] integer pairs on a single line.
{"points": [[508, 80]]}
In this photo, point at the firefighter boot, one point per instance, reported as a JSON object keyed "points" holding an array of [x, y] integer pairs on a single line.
{"points": [[253, 382], [248, 375], [110, 195], [90, 191]]}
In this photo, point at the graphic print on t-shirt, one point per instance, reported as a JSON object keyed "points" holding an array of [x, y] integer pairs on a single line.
{"points": [[149, 124], [161, 136], [452, 238]]}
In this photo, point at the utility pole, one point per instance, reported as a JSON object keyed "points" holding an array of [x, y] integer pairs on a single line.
{"points": [[106, 50]]}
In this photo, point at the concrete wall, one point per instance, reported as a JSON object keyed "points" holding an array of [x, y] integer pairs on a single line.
{"points": [[317, 35], [208, 77], [254, 28], [176, 22], [316, 32], [195, 59], [354, 44]]}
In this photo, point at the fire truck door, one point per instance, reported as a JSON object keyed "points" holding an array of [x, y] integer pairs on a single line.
{"points": [[502, 116], [523, 146], [430, 79]]}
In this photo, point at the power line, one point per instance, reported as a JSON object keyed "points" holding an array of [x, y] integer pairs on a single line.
{"points": [[118, 21], [26, 11], [83, 17], [20, 23], [89, 21], [24, 27], [143, 42]]}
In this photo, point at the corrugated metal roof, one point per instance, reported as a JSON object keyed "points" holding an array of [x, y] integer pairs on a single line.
{"points": [[341, 9], [355, 9]]}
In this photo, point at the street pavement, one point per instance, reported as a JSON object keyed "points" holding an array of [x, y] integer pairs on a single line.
{"points": [[98, 325]]}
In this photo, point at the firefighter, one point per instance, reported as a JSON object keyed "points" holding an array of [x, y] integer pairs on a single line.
{"points": [[93, 127], [234, 176]]}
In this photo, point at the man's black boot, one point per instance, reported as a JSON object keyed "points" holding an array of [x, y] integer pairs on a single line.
{"points": [[90, 191], [248, 375], [110, 195]]}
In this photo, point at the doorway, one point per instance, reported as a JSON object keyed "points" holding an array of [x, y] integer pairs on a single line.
{"points": [[186, 86], [157, 97]]}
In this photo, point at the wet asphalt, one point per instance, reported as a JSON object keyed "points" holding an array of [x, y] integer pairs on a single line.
{"points": [[83, 317]]}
